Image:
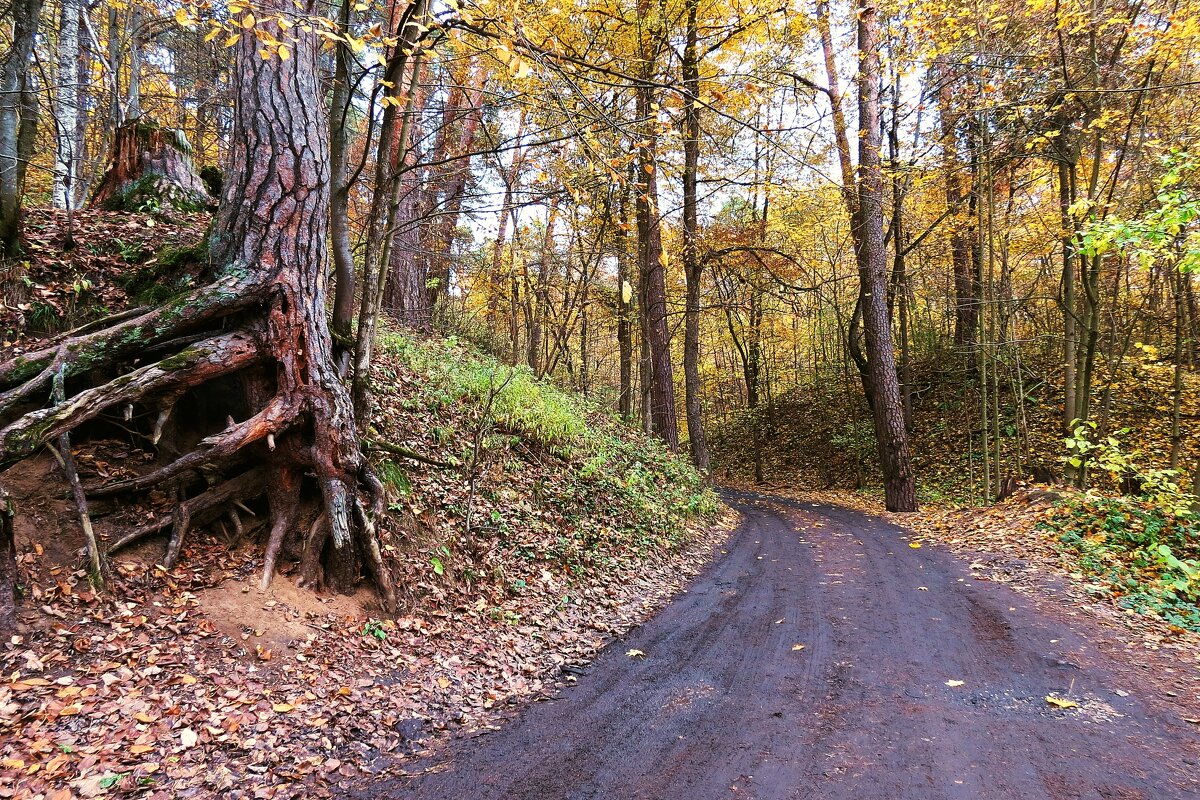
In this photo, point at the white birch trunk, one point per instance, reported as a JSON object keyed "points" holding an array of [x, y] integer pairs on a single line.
{"points": [[66, 107]]}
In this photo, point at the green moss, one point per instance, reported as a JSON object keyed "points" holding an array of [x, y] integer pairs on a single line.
{"points": [[26, 368], [19, 444], [170, 273]]}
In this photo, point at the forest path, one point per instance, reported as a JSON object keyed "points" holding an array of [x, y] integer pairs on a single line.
{"points": [[725, 705]]}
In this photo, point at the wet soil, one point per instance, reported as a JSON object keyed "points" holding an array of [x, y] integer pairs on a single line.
{"points": [[812, 660]]}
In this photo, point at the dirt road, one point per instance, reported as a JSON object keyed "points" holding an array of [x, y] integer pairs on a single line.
{"points": [[726, 704]]}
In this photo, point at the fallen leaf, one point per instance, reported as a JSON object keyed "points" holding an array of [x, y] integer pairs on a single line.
{"points": [[1193, 720], [914, 545], [1059, 702], [922, 588], [188, 738], [282, 708], [635, 654], [796, 647], [953, 683]]}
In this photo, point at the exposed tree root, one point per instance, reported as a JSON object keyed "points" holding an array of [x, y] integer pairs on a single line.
{"points": [[200, 509], [298, 408], [270, 238], [193, 366], [104, 347], [279, 414]]}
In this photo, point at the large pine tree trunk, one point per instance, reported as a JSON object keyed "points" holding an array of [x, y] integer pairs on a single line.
{"points": [[274, 222], [263, 319]]}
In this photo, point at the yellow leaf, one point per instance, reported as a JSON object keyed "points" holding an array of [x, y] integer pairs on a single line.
{"points": [[232, 40], [248, 21], [214, 33], [138, 749], [284, 52], [1059, 702], [915, 545], [282, 708], [635, 654], [796, 647], [443, 682], [182, 18], [953, 683]]}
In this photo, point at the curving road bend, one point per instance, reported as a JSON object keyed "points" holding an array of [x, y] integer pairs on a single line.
{"points": [[725, 704]]}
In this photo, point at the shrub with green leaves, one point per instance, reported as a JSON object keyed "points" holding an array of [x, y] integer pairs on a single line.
{"points": [[620, 493], [1144, 555]]}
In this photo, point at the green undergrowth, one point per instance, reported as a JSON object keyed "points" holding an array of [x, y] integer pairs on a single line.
{"points": [[1135, 551], [541, 481]]}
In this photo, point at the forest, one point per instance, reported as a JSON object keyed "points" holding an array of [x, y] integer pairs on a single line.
{"points": [[443, 298]]}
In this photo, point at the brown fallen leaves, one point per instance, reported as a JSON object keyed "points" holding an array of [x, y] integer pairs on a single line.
{"points": [[145, 696]]}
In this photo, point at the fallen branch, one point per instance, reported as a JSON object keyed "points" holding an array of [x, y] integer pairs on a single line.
{"points": [[66, 460], [411, 455]]}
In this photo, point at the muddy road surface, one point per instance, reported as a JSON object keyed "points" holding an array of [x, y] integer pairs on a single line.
{"points": [[819, 657]]}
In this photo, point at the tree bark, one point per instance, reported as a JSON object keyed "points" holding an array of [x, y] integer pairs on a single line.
{"points": [[651, 258], [14, 74], [339, 197], [274, 222], [692, 266], [66, 107], [888, 408]]}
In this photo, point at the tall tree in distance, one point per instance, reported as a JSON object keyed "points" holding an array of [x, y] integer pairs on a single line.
{"points": [[692, 266], [650, 255], [862, 189]]}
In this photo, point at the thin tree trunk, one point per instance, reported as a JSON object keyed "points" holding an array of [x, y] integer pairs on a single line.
{"points": [[133, 92], [890, 433], [692, 266], [386, 198], [625, 294], [14, 74], [66, 108], [339, 199]]}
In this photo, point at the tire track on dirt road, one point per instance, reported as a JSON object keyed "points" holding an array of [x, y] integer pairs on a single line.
{"points": [[723, 706]]}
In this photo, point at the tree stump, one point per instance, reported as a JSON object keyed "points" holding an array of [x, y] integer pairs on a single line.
{"points": [[151, 170]]}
